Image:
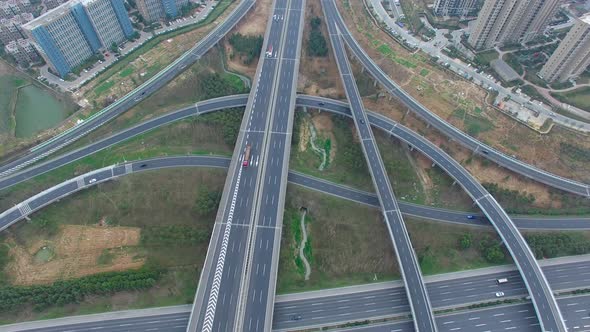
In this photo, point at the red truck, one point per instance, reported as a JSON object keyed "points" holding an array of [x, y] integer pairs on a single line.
{"points": [[246, 161]]}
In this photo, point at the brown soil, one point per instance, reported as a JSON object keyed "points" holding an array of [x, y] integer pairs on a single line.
{"points": [[442, 92], [324, 126], [318, 75], [254, 23], [76, 251]]}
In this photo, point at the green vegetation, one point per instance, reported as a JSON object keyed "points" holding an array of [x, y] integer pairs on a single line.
{"points": [[574, 152], [484, 58], [125, 60], [530, 91], [387, 51], [126, 72], [492, 250], [578, 97], [174, 235], [513, 201], [513, 61], [474, 125], [207, 201], [104, 87], [105, 258], [247, 46], [424, 72], [531, 76], [549, 245], [4, 258], [72, 291], [316, 45]]}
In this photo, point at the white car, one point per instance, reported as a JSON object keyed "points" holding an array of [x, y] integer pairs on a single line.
{"points": [[499, 294], [92, 180]]}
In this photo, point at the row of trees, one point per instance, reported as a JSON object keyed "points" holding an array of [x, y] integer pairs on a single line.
{"points": [[548, 245], [71, 291], [247, 46]]}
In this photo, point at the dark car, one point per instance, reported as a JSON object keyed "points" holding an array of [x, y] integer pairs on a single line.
{"points": [[321, 103], [296, 317], [470, 217], [142, 165], [484, 151]]}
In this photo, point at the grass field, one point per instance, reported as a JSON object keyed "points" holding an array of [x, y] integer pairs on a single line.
{"points": [[577, 97]]}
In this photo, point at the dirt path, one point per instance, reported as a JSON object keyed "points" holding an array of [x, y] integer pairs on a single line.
{"points": [[302, 246], [317, 149]]}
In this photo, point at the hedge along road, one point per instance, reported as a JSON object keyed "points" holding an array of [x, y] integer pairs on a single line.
{"points": [[153, 84]]}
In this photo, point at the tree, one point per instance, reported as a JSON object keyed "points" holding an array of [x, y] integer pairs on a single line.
{"points": [[207, 201], [114, 48], [465, 241]]}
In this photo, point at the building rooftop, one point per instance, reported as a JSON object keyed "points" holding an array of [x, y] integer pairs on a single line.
{"points": [[51, 15], [585, 18], [504, 70]]}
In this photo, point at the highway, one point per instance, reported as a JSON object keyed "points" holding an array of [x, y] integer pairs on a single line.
{"points": [[348, 304], [132, 98], [220, 298], [263, 262], [447, 129], [420, 306], [64, 189], [541, 294]]}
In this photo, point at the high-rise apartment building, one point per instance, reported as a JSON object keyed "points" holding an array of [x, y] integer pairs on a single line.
{"points": [[71, 33], [511, 21], [152, 10], [572, 56], [454, 7]]}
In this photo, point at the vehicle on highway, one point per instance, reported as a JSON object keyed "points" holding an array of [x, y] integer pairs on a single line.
{"points": [[470, 217], [484, 151], [321, 103], [296, 317], [499, 294], [269, 51], [246, 161], [502, 280], [92, 180], [362, 121], [142, 165]]}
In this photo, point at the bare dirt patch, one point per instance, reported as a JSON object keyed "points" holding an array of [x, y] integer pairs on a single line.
{"points": [[324, 127], [254, 23], [443, 93], [318, 75], [76, 250]]}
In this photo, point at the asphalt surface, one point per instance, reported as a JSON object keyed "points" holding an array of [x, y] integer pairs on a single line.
{"points": [[220, 299], [447, 129], [64, 189], [519, 317], [350, 306], [475, 190], [266, 238], [410, 268], [134, 97]]}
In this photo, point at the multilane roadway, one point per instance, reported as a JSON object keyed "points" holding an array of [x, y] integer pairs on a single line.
{"points": [[219, 301], [377, 301], [446, 128], [83, 181], [132, 98], [408, 262]]}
